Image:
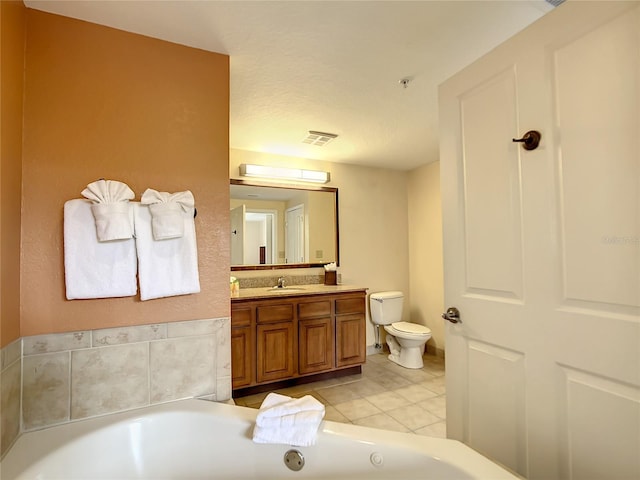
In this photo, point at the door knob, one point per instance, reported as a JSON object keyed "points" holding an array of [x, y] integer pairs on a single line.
{"points": [[452, 315], [530, 140]]}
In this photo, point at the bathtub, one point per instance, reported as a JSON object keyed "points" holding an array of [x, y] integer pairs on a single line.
{"points": [[198, 439]]}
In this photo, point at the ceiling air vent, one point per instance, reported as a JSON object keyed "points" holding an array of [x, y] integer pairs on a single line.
{"points": [[318, 138]]}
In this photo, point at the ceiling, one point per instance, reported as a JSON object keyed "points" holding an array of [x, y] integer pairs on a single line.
{"points": [[329, 66]]}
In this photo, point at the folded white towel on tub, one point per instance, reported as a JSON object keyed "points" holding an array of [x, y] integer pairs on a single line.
{"points": [[94, 269], [290, 421], [167, 210], [166, 267], [111, 209]]}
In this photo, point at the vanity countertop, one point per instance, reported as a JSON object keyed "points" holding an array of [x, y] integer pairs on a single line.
{"points": [[294, 290]]}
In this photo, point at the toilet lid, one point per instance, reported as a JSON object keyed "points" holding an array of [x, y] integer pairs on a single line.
{"points": [[411, 328]]}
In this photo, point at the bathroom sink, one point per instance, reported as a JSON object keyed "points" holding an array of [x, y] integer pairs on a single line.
{"points": [[285, 289]]}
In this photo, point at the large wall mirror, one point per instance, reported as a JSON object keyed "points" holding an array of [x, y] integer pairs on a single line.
{"points": [[282, 226]]}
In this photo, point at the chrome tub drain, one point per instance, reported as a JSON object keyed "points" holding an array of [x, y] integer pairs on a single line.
{"points": [[294, 460]]}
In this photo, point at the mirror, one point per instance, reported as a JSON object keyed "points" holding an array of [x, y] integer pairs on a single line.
{"points": [[282, 226]]}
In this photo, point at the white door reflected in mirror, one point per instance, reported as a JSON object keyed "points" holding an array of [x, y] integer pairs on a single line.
{"points": [[262, 235]]}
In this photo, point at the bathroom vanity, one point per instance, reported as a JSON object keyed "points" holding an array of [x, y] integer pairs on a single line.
{"points": [[296, 334]]}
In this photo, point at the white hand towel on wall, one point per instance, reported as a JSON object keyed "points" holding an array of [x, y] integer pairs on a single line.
{"points": [[166, 212], [95, 269], [290, 421], [165, 267], [111, 209]]}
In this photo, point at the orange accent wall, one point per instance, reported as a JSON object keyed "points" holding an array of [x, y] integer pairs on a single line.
{"points": [[12, 28], [103, 103]]}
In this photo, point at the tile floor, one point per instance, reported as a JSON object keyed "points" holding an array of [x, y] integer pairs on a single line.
{"points": [[385, 396]]}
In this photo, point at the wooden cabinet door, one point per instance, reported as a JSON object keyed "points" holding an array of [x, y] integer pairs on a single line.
{"points": [[242, 358], [350, 340], [275, 351], [316, 345]]}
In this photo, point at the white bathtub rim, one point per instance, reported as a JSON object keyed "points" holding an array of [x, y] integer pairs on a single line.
{"points": [[56, 437]]}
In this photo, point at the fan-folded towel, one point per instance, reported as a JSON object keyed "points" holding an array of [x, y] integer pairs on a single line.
{"points": [[166, 267], [290, 421], [111, 209], [94, 269], [167, 210]]}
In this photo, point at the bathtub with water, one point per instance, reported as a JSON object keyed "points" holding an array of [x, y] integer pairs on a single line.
{"points": [[199, 439]]}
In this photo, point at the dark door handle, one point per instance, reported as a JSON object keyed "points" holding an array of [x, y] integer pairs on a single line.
{"points": [[452, 315], [530, 140]]}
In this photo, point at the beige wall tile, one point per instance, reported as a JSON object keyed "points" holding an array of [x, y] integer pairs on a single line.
{"points": [[223, 348], [10, 405], [45, 395], [109, 379], [223, 389], [139, 333], [10, 353], [56, 342], [182, 367]]}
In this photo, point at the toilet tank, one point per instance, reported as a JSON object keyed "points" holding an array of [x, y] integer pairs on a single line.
{"points": [[386, 307]]}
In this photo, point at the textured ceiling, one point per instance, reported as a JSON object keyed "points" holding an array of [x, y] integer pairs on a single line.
{"points": [[332, 66]]}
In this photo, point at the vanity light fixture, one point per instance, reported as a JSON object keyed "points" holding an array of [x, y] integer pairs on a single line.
{"points": [[284, 173]]}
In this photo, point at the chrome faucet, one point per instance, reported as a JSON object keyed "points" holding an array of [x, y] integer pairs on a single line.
{"points": [[281, 282]]}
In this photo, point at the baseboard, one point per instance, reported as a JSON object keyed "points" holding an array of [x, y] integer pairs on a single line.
{"points": [[430, 350]]}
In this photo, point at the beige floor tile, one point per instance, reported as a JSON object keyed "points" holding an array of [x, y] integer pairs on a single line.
{"points": [[379, 358], [253, 399], [381, 421], [385, 396], [297, 391], [435, 369], [388, 400], [436, 405], [240, 401], [436, 385], [416, 376], [333, 415], [390, 381], [415, 393], [438, 430], [413, 416], [358, 408], [366, 387], [337, 394]]}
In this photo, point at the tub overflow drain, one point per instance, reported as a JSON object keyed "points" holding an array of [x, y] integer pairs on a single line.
{"points": [[294, 460], [377, 459]]}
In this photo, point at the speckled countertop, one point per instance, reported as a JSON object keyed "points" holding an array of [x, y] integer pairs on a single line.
{"points": [[295, 290]]}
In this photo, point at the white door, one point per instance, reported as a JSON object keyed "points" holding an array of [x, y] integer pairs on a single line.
{"points": [[237, 235], [542, 247], [295, 235]]}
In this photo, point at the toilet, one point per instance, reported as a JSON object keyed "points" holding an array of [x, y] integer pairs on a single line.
{"points": [[406, 340]]}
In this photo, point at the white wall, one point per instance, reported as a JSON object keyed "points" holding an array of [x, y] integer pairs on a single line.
{"points": [[425, 251], [373, 222]]}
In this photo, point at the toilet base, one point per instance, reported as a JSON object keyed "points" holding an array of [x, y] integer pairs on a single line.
{"points": [[409, 357]]}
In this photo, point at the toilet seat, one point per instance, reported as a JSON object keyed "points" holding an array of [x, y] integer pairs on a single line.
{"points": [[411, 328]]}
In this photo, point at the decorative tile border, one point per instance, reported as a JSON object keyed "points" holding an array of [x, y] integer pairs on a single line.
{"points": [[56, 342]]}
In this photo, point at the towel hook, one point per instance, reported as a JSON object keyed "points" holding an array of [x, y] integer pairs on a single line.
{"points": [[530, 140]]}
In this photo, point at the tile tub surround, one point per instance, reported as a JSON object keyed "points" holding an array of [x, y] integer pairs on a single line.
{"points": [[10, 381], [77, 375]]}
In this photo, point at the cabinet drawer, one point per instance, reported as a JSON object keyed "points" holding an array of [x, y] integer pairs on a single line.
{"points": [[275, 313], [349, 305], [241, 317], [314, 309]]}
